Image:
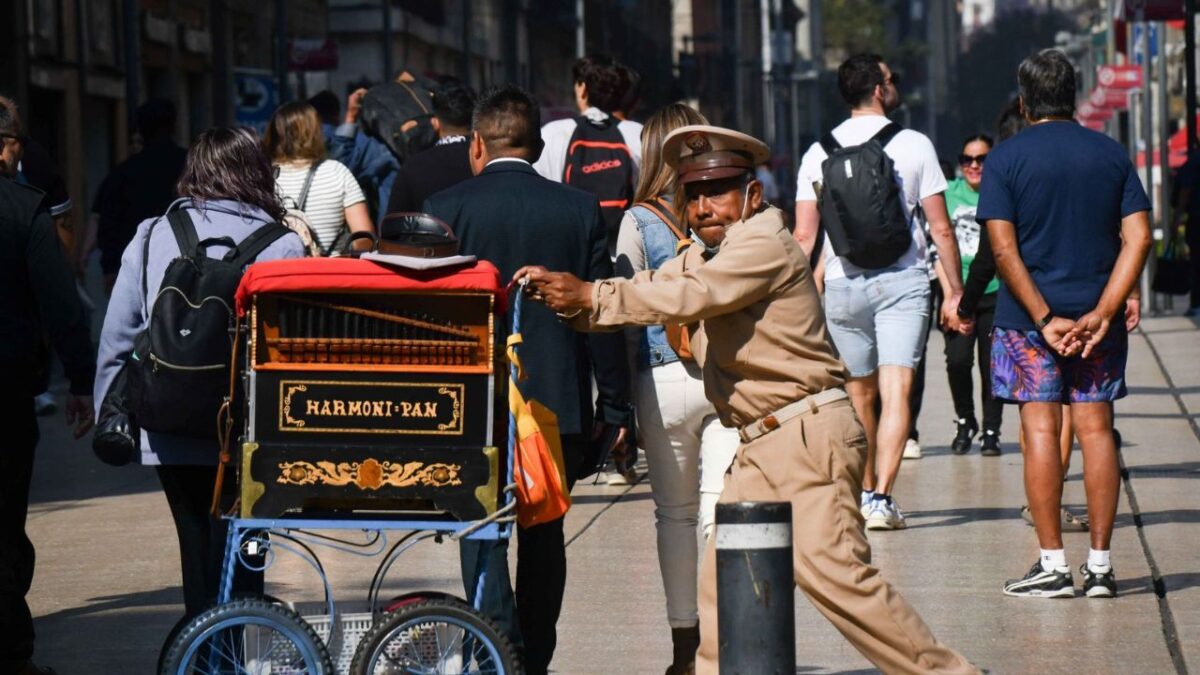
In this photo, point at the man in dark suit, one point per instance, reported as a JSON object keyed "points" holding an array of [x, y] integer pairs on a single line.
{"points": [[445, 164], [511, 216]]}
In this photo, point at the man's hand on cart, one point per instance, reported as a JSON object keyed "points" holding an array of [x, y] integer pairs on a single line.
{"points": [[560, 291]]}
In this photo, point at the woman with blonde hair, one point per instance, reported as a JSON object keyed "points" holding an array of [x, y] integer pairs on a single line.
{"points": [[306, 180], [687, 449]]}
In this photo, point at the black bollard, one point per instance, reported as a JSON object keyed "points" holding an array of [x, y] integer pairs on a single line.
{"points": [[755, 589]]}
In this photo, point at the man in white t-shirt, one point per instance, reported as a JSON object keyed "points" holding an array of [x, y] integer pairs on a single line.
{"points": [[862, 306]]}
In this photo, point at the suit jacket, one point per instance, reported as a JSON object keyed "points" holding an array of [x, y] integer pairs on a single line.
{"points": [[427, 173], [511, 216]]}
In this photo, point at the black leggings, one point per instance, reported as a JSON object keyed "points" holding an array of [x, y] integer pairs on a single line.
{"points": [[960, 357]]}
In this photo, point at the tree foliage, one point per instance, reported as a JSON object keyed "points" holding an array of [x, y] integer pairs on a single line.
{"points": [[854, 26]]}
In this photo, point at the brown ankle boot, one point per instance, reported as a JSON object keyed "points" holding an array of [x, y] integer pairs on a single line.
{"points": [[685, 642]]}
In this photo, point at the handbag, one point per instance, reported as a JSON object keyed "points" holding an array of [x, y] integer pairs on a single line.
{"points": [[1172, 270], [538, 466], [117, 436], [678, 337]]}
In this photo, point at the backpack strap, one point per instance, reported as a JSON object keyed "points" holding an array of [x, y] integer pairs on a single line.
{"points": [[185, 232], [247, 251], [829, 143], [887, 133], [662, 211], [312, 171]]}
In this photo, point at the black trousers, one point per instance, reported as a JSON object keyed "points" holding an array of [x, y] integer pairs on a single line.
{"points": [[530, 617], [917, 394], [189, 490], [960, 361], [1193, 241], [16, 551]]}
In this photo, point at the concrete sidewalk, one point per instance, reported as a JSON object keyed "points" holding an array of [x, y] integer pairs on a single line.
{"points": [[107, 585]]}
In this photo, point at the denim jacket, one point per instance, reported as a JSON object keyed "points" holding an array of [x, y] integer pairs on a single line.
{"points": [[659, 243]]}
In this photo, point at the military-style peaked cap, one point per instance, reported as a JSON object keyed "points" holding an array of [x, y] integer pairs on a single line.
{"points": [[701, 152]]}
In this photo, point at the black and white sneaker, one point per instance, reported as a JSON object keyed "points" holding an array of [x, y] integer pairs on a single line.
{"points": [[967, 428], [1039, 583], [1098, 584]]}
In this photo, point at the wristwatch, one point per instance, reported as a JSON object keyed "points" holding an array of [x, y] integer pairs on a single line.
{"points": [[1040, 324]]}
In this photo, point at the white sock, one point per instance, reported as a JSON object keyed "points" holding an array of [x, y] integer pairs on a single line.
{"points": [[867, 496], [1098, 560], [1053, 559]]}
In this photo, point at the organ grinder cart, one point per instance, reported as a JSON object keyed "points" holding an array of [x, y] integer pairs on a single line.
{"points": [[369, 408]]}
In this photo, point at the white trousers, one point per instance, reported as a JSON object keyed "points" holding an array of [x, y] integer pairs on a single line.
{"points": [[687, 452]]}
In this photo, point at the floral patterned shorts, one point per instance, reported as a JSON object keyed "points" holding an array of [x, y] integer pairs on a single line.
{"points": [[1026, 369]]}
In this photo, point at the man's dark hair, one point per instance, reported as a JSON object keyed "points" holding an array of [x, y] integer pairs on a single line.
{"points": [[453, 103], [631, 89], [156, 117], [858, 76], [10, 118], [1011, 121], [603, 81], [1046, 82], [329, 108], [509, 122]]}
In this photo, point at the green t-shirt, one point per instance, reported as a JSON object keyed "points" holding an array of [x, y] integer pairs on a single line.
{"points": [[961, 202]]}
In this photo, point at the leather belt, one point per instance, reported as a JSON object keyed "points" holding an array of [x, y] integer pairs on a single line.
{"points": [[771, 422]]}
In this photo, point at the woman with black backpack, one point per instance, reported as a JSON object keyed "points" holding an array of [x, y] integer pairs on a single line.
{"points": [[227, 198]]}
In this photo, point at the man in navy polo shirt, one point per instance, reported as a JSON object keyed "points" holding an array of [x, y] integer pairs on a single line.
{"points": [[1068, 222]]}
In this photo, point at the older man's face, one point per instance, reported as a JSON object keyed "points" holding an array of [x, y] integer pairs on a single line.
{"points": [[712, 205], [10, 154]]}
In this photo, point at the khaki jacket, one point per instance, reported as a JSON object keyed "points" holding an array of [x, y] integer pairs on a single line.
{"points": [[764, 343]]}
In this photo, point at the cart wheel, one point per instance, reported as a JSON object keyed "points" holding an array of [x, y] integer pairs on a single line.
{"points": [[435, 637], [247, 637]]}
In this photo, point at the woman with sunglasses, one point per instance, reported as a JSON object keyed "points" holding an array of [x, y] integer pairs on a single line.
{"points": [[962, 197]]}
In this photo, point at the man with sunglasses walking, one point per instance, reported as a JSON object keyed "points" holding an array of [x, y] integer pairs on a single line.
{"points": [[862, 304]]}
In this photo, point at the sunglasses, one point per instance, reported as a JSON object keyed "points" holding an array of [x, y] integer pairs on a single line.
{"points": [[968, 160]]}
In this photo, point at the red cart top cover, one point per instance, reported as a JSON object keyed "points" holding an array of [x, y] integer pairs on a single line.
{"points": [[354, 275]]}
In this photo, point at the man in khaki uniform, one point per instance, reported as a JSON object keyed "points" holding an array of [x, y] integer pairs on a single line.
{"points": [[770, 371]]}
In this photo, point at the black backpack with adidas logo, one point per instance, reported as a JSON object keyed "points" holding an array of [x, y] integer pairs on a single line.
{"points": [[860, 201], [598, 161], [179, 368]]}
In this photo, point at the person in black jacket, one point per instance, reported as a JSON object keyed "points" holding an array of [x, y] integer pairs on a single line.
{"points": [[509, 215], [435, 169], [36, 290]]}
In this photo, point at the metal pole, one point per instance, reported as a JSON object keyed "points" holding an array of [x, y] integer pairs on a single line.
{"points": [[389, 70], [465, 64], [133, 88], [222, 80], [1164, 151], [580, 34], [281, 51], [755, 588], [1189, 57], [1147, 134], [767, 36]]}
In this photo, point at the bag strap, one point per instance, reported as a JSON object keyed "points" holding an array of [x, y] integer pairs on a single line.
{"points": [[886, 134], [185, 231], [818, 247], [663, 212], [308, 179], [829, 143], [249, 248]]}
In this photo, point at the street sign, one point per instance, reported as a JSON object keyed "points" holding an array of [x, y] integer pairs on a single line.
{"points": [[1113, 99], [1155, 10], [257, 95], [1137, 40], [1119, 77], [312, 54], [1088, 112]]}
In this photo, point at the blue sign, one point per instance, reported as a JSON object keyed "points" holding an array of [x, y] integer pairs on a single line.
{"points": [[257, 96], [1137, 41]]}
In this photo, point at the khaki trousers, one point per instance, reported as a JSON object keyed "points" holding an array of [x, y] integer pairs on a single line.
{"points": [[815, 461]]}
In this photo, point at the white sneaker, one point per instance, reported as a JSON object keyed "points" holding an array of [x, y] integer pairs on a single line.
{"points": [[864, 502], [912, 450], [885, 516]]}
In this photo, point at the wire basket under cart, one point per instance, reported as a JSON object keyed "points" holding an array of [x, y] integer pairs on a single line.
{"points": [[369, 424]]}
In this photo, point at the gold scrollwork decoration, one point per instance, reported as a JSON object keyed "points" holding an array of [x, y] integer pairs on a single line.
{"points": [[287, 405], [455, 411], [370, 474]]}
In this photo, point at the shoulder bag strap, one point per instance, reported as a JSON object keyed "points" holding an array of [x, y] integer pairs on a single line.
{"points": [[829, 144], [312, 171], [249, 248], [185, 231], [660, 209], [887, 133]]}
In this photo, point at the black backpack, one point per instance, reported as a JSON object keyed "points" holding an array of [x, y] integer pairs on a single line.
{"points": [[860, 201], [599, 162], [179, 368]]}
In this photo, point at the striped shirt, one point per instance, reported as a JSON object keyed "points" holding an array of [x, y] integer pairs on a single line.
{"points": [[333, 190]]}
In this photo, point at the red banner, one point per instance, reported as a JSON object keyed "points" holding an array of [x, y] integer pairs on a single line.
{"points": [[1113, 99], [1153, 10], [1119, 77], [1088, 112]]}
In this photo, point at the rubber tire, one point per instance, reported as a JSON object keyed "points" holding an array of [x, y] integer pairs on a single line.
{"points": [[482, 627], [185, 620], [282, 619]]}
